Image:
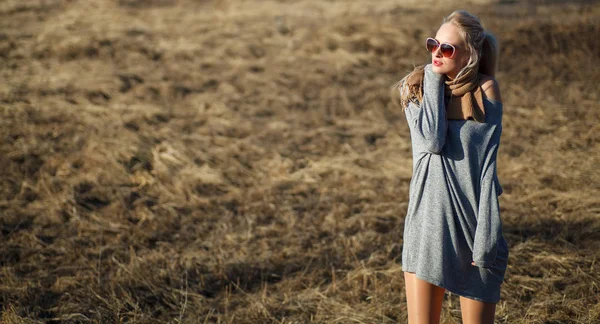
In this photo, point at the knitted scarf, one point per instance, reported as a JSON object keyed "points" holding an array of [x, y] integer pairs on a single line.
{"points": [[464, 96]]}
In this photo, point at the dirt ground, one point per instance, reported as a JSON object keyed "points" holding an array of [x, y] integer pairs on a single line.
{"points": [[198, 161]]}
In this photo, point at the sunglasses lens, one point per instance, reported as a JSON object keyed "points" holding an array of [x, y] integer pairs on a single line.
{"points": [[447, 50], [432, 45]]}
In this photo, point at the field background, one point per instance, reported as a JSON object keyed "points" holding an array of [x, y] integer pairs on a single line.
{"points": [[243, 161]]}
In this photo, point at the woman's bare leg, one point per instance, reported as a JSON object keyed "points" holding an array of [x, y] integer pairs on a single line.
{"points": [[424, 300], [477, 312], [411, 303]]}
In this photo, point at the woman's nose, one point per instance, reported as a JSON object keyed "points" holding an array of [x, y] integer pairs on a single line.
{"points": [[438, 52]]}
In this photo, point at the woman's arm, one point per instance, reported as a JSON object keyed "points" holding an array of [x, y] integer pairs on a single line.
{"points": [[499, 189], [429, 120], [489, 224]]}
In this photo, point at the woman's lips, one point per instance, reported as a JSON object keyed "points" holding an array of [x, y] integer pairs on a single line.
{"points": [[437, 63]]}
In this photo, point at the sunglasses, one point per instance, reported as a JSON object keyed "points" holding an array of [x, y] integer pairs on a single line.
{"points": [[447, 50]]}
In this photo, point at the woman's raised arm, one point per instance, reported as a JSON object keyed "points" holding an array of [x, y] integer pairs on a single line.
{"points": [[429, 120]]}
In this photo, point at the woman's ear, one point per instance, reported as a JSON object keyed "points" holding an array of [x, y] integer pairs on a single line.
{"points": [[465, 59]]}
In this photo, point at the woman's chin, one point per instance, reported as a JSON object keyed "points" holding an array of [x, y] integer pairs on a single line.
{"points": [[438, 69]]}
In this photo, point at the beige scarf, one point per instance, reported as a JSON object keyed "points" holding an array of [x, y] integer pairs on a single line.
{"points": [[466, 96]]}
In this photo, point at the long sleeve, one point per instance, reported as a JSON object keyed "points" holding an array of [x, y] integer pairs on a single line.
{"points": [[499, 188], [489, 224], [429, 120]]}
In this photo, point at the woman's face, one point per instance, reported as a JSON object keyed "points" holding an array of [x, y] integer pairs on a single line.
{"points": [[448, 33]]}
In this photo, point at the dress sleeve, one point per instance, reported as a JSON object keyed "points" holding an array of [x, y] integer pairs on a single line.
{"points": [[499, 188], [489, 224], [429, 119]]}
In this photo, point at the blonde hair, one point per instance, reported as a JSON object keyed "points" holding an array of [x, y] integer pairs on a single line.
{"points": [[482, 47]]}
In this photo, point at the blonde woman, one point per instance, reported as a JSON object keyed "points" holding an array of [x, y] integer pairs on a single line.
{"points": [[453, 232]]}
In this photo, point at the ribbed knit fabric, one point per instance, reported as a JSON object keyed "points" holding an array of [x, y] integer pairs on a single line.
{"points": [[453, 215]]}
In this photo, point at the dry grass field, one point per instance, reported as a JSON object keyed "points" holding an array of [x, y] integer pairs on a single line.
{"points": [[238, 161]]}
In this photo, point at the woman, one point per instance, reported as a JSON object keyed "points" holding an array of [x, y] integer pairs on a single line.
{"points": [[453, 232]]}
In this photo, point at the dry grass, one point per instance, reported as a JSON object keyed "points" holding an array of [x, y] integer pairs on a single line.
{"points": [[242, 162]]}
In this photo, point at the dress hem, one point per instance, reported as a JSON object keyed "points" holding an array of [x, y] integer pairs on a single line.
{"points": [[452, 290]]}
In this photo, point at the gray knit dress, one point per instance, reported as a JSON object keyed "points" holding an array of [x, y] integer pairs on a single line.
{"points": [[453, 215]]}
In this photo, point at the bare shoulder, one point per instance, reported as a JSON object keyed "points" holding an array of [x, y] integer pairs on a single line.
{"points": [[490, 87]]}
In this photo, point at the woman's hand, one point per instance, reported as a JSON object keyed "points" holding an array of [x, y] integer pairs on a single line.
{"points": [[473, 264]]}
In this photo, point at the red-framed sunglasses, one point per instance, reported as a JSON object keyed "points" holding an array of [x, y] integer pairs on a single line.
{"points": [[447, 49]]}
